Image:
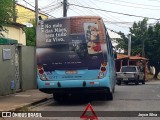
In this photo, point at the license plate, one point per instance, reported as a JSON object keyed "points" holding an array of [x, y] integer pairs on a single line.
{"points": [[71, 72], [125, 79]]}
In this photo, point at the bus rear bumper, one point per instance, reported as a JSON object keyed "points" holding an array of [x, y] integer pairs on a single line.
{"points": [[82, 90]]}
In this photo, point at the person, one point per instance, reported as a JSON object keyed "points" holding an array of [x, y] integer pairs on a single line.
{"points": [[96, 47], [88, 33], [94, 34]]}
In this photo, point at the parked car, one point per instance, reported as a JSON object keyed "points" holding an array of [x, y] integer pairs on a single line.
{"points": [[130, 74]]}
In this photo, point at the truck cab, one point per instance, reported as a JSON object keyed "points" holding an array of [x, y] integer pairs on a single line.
{"points": [[130, 74]]}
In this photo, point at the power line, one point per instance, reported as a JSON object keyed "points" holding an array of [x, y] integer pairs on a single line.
{"points": [[114, 12], [81, 11], [90, 11], [154, 0], [131, 3], [74, 11], [127, 5], [29, 3], [48, 5], [114, 18], [40, 10], [50, 10]]}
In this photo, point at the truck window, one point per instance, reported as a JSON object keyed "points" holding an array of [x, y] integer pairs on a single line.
{"points": [[128, 69]]}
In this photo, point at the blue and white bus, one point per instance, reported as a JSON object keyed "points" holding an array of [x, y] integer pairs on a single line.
{"points": [[75, 56]]}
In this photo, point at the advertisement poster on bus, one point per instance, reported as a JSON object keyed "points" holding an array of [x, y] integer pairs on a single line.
{"points": [[59, 49]]}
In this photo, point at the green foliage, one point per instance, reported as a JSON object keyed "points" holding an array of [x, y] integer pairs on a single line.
{"points": [[6, 13], [139, 35], [31, 35], [147, 37], [152, 46], [122, 42]]}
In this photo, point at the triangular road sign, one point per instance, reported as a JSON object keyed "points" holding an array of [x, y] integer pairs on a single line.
{"points": [[85, 117]]}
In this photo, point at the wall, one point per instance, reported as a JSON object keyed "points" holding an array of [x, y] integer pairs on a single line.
{"points": [[16, 33], [7, 72], [26, 15], [27, 67]]}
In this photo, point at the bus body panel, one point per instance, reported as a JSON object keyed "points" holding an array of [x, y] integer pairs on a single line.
{"points": [[74, 55]]}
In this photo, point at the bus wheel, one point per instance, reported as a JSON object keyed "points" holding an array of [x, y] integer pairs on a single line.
{"points": [[113, 89], [58, 97], [126, 83], [118, 82], [110, 96]]}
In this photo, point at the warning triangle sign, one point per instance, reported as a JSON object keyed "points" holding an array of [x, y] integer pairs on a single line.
{"points": [[84, 116]]}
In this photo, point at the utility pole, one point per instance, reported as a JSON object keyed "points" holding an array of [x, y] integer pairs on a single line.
{"points": [[36, 18], [143, 52], [129, 45], [64, 8], [36, 12]]}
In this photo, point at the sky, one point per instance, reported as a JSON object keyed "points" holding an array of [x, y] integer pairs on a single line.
{"points": [[115, 22]]}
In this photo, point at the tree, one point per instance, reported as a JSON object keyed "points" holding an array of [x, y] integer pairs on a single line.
{"points": [[152, 47], [139, 36], [31, 34], [145, 41], [122, 42], [6, 14]]}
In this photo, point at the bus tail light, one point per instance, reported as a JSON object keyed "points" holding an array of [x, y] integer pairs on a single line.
{"points": [[104, 64], [41, 72], [102, 70], [40, 66]]}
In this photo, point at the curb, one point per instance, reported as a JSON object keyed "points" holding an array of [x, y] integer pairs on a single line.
{"points": [[21, 108]]}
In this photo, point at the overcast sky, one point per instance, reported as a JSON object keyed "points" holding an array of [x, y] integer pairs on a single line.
{"points": [[146, 8]]}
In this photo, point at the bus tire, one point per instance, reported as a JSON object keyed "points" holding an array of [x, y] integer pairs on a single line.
{"points": [[119, 82], [126, 83], [58, 97], [113, 89], [110, 96]]}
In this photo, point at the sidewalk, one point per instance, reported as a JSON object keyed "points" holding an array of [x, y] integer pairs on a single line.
{"points": [[29, 97]]}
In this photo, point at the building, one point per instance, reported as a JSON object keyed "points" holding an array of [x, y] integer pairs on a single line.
{"points": [[15, 31], [26, 15]]}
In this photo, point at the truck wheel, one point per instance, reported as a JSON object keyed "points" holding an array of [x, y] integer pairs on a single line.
{"points": [[126, 83], [143, 81], [137, 81], [118, 82]]}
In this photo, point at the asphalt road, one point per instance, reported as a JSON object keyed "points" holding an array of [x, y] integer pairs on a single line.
{"points": [[131, 98]]}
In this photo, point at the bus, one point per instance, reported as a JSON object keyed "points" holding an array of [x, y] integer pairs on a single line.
{"points": [[75, 56]]}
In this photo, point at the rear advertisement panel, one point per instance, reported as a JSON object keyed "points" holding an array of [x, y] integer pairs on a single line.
{"points": [[58, 49]]}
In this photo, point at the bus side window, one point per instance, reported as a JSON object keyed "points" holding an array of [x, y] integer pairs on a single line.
{"points": [[108, 44]]}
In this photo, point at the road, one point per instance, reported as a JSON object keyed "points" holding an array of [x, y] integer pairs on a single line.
{"points": [[126, 98]]}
